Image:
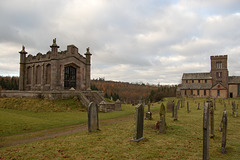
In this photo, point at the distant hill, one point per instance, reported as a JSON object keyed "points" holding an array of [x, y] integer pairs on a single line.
{"points": [[133, 92]]}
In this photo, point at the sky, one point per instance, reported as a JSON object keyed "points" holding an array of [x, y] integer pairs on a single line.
{"points": [[143, 41]]}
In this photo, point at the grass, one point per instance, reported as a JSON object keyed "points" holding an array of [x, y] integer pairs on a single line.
{"points": [[183, 139]]}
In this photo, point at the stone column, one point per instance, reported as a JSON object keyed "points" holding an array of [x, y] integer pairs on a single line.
{"points": [[42, 77], [22, 69], [206, 131], [88, 69]]}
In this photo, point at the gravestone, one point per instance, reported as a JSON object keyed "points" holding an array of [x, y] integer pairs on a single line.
{"points": [[198, 106], [188, 110], [169, 106], [139, 120], [224, 133], [181, 104], [175, 113], [148, 113], [178, 104], [206, 131], [212, 120], [236, 109], [162, 124], [173, 106], [233, 108], [93, 123]]}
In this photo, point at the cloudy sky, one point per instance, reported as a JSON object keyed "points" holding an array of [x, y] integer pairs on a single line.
{"points": [[149, 41]]}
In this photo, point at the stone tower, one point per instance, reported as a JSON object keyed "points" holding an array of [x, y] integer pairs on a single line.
{"points": [[219, 70], [88, 69], [22, 68]]}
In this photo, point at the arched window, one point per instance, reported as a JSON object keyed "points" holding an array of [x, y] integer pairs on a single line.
{"points": [[69, 77], [48, 74], [29, 75], [38, 75]]}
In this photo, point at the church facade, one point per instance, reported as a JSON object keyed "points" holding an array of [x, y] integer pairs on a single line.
{"points": [[214, 84], [55, 70]]}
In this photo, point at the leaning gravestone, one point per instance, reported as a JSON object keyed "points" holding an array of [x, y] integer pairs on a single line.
{"points": [[139, 120], [169, 106], [162, 124], [224, 133], [93, 123], [206, 131]]}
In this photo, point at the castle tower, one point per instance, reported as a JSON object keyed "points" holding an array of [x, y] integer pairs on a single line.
{"points": [[22, 68], [219, 70], [88, 69]]}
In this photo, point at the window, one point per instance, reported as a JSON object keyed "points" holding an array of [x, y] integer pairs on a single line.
{"points": [[219, 74], [48, 74], [198, 81], [38, 75], [192, 81], [219, 65], [185, 92], [218, 92], [186, 81], [191, 92], [69, 77], [198, 92], [205, 81], [205, 92]]}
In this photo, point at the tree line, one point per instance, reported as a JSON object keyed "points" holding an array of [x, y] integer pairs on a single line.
{"points": [[9, 83]]}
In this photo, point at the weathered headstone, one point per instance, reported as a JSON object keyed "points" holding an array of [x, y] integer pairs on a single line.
{"points": [[148, 113], [188, 110], [173, 106], [181, 104], [162, 124], [206, 131], [175, 113], [169, 106], [224, 133], [139, 120], [93, 123], [178, 104], [212, 120], [198, 106], [233, 108]]}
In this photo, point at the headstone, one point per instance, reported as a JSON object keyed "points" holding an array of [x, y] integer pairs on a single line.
{"points": [[224, 133], [175, 113], [212, 120], [148, 113], [169, 106], [198, 106], [233, 108], [206, 131], [139, 120], [173, 106], [188, 110], [236, 109], [93, 123], [178, 104], [162, 124]]}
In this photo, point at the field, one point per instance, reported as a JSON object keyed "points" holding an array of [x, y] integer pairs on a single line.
{"points": [[183, 139]]}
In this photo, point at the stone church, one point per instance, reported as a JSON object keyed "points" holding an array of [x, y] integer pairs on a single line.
{"points": [[55, 70], [214, 84]]}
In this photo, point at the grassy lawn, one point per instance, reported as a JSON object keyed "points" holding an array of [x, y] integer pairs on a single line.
{"points": [[183, 139], [27, 115]]}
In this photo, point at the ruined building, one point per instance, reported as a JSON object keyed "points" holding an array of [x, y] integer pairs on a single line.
{"points": [[214, 84], [55, 70]]}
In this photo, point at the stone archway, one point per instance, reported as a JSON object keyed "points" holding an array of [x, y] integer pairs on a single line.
{"points": [[70, 77]]}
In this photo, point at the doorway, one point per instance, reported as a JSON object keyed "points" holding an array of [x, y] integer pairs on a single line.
{"points": [[231, 95], [69, 77]]}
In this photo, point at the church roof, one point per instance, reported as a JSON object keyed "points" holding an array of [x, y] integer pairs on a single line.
{"points": [[196, 86], [234, 79], [196, 76]]}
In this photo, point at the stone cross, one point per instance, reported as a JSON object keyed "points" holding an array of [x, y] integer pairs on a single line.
{"points": [[148, 113], [139, 120], [188, 108], [162, 124], [93, 123], [198, 106], [206, 131], [212, 120], [224, 133]]}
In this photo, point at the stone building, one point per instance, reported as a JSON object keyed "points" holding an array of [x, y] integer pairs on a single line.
{"points": [[55, 70], [214, 84]]}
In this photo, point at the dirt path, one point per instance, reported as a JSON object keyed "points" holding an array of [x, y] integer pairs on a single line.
{"points": [[55, 132]]}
